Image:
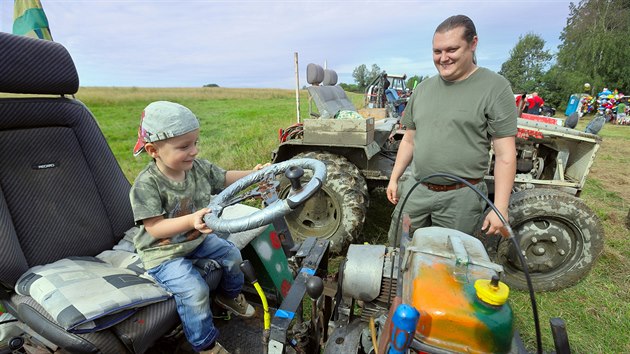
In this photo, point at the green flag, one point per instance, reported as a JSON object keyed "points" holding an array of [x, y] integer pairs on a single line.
{"points": [[30, 20]]}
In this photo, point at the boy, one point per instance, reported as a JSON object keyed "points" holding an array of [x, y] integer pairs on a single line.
{"points": [[168, 199]]}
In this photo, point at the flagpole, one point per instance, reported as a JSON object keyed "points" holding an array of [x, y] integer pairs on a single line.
{"points": [[297, 86]]}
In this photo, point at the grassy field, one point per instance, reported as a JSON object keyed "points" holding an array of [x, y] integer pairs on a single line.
{"points": [[239, 128]]}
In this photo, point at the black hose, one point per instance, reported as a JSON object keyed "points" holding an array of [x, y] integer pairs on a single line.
{"points": [[391, 275], [530, 287]]}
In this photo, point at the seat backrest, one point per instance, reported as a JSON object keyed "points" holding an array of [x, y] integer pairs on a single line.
{"points": [[62, 192], [328, 98]]}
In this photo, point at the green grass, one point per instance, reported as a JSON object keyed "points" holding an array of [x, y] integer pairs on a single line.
{"points": [[239, 128]]}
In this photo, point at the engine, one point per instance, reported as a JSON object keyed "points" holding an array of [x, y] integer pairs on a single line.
{"points": [[448, 277], [528, 161]]}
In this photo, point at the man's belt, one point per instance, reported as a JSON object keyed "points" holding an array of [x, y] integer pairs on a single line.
{"points": [[450, 187]]}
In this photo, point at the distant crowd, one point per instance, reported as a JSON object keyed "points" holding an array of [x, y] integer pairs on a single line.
{"points": [[613, 105]]}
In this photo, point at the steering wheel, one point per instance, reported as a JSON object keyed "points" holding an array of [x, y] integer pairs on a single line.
{"points": [[277, 209]]}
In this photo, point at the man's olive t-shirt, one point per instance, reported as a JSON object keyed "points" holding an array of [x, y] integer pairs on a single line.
{"points": [[153, 194], [455, 121]]}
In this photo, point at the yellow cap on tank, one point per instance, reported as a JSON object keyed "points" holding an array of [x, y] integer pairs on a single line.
{"points": [[493, 292]]}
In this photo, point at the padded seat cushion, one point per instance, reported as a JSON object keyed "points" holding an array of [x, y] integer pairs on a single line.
{"points": [[86, 294], [134, 335]]}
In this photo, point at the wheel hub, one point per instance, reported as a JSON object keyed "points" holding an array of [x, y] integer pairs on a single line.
{"points": [[319, 215], [546, 245]]}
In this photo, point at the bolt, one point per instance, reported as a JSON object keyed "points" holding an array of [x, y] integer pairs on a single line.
{"points": [[534, 240], [561, 251], [539, 251], [554, 239], [530, 265], [524, 253]]}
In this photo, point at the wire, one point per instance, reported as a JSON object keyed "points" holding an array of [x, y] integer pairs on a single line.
{"points": [[507, 227], [292, 132]]}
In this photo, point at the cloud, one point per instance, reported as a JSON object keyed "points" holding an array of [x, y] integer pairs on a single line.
{"points": [[251, 43]]}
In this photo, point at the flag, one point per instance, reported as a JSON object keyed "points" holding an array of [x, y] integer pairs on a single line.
{"points": [[30, 20]]}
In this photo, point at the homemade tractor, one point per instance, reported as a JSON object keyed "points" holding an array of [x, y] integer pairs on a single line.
{"points": [[437, 292], [561, 237], [388, 91]]}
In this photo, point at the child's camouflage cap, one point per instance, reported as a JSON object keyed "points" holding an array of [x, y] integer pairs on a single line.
{"points": [[162, 120]]}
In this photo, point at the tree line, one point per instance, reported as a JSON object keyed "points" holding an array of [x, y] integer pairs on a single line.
{"points": [[594, 49]]}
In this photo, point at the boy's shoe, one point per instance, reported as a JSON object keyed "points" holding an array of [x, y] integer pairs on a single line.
{"points": [[238, 305], [217, 349]]}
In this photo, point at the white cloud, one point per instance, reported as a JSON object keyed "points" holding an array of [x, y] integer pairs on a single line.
{"points": [[251, 43]]}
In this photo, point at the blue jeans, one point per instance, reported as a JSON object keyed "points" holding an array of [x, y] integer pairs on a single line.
{"points": [[189, 288]]}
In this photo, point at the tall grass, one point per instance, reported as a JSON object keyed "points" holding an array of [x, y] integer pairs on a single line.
{"points": [[239, 128]]}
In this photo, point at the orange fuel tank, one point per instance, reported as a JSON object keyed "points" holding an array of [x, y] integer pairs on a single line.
{"points": [[440, 269]]}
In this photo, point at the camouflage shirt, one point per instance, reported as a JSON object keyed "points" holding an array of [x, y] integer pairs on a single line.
{"points": [[153, 194]]}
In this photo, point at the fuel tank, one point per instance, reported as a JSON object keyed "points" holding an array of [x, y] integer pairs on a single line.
{"points": [[448, 278]]}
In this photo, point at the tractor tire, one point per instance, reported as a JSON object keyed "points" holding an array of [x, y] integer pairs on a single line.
{"points": [[337, 211], [559, 234]]}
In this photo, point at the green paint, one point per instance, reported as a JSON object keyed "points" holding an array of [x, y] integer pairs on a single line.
{"points": [[276, 266], [32, 19], [499, 321]]}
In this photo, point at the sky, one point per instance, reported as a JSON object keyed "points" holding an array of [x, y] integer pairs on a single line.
{"points": [[252, 43]]}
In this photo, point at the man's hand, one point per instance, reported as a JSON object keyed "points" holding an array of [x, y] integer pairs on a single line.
{"points": [[392, 191], [492, 225], [198, 223]]}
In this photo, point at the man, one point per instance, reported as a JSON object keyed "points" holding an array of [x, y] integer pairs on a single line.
{"points": [[621, 112], [534, 103], [451, 119]]}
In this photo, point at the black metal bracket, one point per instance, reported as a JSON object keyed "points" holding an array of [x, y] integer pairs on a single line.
{"points": [[315, 262]]}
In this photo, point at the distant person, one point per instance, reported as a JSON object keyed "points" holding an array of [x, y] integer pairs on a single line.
{"points": [[169, 199], [392, 97], [452, 120], [621, 112], [521, 104], [572, 120], [534, 103], [386, 85]]}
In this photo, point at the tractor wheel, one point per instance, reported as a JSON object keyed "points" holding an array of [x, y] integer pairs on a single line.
{"points": [[559, 235], [337, 211]]}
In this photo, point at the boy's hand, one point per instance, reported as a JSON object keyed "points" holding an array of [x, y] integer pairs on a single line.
{"points": [[260, 166], [198, 223]]}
